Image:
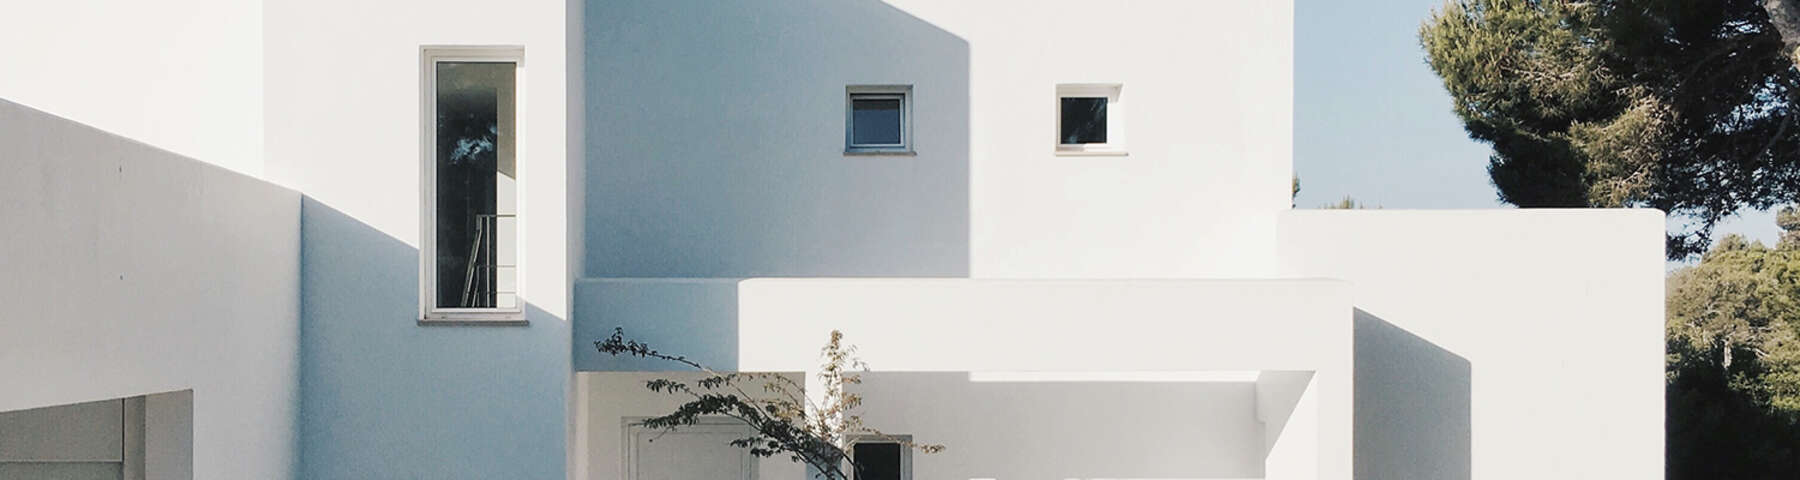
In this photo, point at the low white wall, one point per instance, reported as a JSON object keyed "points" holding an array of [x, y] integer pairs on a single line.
{"points": [[133, 270], [960, 325], [182, 75], [1048, 428], [1535, 336]]}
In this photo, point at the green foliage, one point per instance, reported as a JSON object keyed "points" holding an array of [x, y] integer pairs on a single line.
{"points": [[1734, 361], [1682, 105], [1296, 195], [784, 420], [1348, 203]]}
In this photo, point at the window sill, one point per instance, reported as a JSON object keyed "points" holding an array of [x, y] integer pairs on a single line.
{"points": [[1091, 152], [477, 319], [899, 152]]}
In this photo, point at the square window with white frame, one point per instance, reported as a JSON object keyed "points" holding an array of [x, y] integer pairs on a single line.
{"points": [[1090, 119], [878, 119], [470, 251]]}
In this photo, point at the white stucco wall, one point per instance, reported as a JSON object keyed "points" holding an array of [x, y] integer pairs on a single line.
{"points": [[949, 325], [381, 396], [1548, 324], [181, 75], [715, 139], [133, 270], [1209, 90]]}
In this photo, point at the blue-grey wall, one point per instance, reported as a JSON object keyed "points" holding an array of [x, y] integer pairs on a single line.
{"points": [[382, 397], [715, 141], [1412, 405], [692, 317]]}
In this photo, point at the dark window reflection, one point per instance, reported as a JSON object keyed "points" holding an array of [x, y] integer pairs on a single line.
{"points": [[1083, 120], [474, 159], [875, 121], [877, 461]]}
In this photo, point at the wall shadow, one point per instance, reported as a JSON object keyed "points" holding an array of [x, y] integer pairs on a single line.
{"points": [[382, 397], [715, 141], [696, 318], [1412, 405]]}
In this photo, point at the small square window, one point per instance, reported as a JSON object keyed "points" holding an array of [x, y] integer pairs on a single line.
{"points": [[1090, 120], [878, 119], [881, 460], [1083, 120]]}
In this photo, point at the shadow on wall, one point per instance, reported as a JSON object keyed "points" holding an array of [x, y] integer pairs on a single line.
{"points": [[381, 397], [715, 142], [694, 317], [1412, 405]]}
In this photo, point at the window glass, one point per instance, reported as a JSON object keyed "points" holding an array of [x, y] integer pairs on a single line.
{"points": [[876, 120], [877, 460], [1083, 120], [476, 185]]}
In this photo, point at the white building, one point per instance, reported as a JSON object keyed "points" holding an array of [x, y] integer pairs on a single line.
{"points": [[353, 239]]}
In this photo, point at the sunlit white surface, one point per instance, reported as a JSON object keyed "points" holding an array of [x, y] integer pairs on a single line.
{"points": [[1227, 376]]}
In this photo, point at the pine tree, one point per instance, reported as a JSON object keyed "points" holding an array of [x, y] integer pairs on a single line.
{"points": [[1687, 106]]}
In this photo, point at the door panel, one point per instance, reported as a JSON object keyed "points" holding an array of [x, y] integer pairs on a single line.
{"points": [[697, 452]]}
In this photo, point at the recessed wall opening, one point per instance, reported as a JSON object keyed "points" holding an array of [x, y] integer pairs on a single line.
{"points": [[1072, 425], [148, 437]]}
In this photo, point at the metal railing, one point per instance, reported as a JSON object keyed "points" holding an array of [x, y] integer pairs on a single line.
{"points": [[479, 290]]}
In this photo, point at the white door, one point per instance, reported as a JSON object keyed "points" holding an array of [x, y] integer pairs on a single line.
{"points": [[695, 452]]}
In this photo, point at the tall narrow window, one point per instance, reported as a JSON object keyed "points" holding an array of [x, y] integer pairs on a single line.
{"points": [[470, 253], [1089, 120]]}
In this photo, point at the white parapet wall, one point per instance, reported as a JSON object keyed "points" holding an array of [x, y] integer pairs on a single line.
{"points": [[1018, 334], [1498, 344], [131, 270]]}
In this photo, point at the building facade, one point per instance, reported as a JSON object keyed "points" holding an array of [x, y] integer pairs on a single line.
{"points": [[378, 240]]}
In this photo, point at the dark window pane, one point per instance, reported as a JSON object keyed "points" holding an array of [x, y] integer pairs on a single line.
{"points": [[875, 121], [1083, 120], [877, 461], [474, 166]]}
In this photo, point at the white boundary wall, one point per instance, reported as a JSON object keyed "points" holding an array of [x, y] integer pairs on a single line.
{"points": [[1556, 314], [131, 270]]}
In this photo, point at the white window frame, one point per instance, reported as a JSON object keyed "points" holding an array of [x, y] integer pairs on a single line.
{"points": [[899, 92], [429, 312], [1115, 119], [906, 451]]}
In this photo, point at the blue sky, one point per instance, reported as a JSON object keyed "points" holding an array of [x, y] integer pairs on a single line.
{"points": [[1372, 122]]}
